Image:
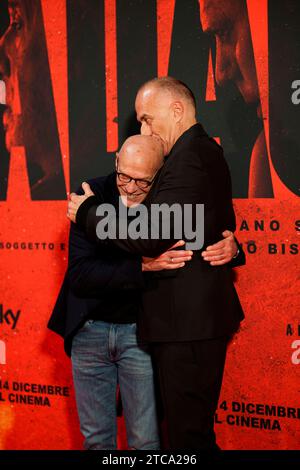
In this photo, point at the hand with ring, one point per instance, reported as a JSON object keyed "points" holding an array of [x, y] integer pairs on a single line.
{"points": [[170, 259]]}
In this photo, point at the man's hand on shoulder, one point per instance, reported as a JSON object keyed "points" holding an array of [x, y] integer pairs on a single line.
{"points": [[75, 201]]}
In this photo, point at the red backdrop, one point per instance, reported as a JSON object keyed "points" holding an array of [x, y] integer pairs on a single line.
{"points": [[259, 407]]}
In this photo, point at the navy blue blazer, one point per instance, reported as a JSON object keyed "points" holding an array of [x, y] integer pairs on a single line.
{"points": [[95, 275]]}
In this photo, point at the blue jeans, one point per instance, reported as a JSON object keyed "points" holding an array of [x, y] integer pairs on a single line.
{"points": [[103, 356]]}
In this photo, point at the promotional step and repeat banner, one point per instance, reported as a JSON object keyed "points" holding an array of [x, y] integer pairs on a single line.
{"points": [[69, 72]]}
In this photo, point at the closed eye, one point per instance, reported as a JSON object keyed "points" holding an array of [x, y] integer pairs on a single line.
{"points": [[17, 25], [15, 15]]}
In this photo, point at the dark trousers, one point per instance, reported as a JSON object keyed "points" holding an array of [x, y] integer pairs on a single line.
{"points": [[190, 378]]}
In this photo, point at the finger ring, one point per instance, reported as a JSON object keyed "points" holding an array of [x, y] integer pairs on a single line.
{"points": [[171, 259]]}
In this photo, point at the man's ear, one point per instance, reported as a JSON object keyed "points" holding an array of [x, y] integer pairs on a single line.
{"points": [[178, 110], [116, 160]]}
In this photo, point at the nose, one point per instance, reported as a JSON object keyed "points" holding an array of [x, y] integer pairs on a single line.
{"points": [[225, 63], [131, 187], [145, 129], [2, 92], [4, 61]]}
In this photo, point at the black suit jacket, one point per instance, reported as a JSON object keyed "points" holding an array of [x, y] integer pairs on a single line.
{"points": [[198, 301], [96, 277]]}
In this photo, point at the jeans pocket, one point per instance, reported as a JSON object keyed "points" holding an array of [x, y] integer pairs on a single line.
{"points": [[86, 325], [80, 337]]}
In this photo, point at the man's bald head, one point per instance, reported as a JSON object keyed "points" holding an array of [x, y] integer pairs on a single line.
{"points": [[138, 161], [172, 86], [145, 152], [166, 108]]}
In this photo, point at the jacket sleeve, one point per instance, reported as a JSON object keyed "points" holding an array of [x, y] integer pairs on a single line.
{"points": [[240, 259], [89, 274]]}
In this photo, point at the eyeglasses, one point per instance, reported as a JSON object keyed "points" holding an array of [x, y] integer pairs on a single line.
{"points": [[142, 184]]}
